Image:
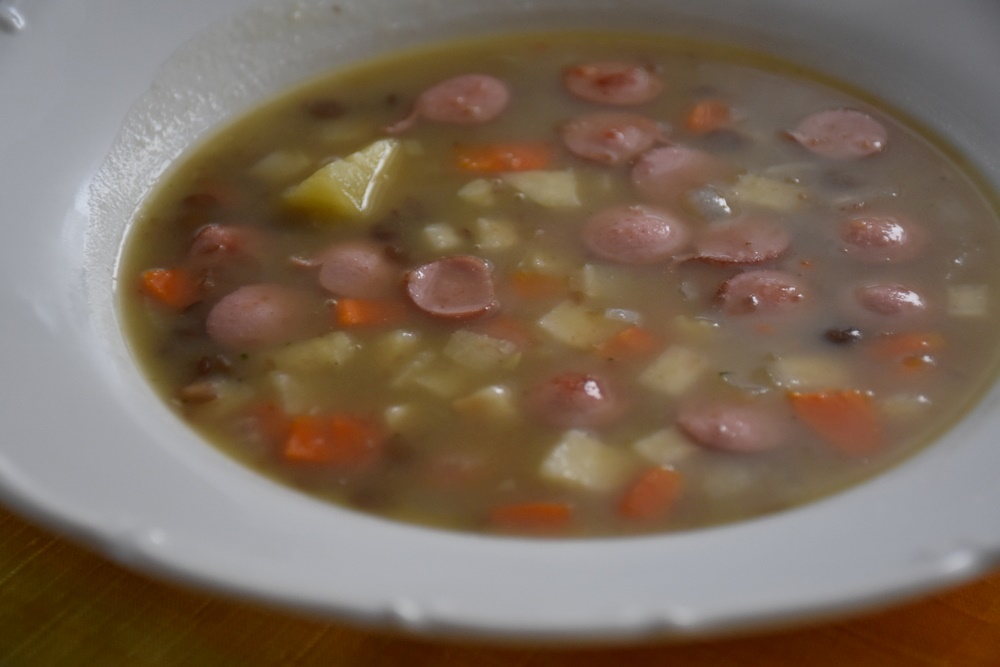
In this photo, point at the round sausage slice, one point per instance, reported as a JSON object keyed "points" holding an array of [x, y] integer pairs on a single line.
{"points": [[357, 269], [258, 315], [662, 174], [881, 238], [575, 400], [761, 291], [618, 83], [457, 287], [890, 299], [216, 245], [468, 99], [732, 427], [610, 138], [635, 234], [841, 134], [745, 241]]}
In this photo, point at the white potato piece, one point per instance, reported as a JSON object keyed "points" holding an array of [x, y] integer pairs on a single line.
{"points": [[551, 189], [281, 167], [442, 237], [394, 346], [494, 403], [754, 190], [579, 326], [494, 234], [968, 300], [481, 192], [480, 352], [666, 447], [316, 354], [808, 372], [676, 370], [583, 461]]}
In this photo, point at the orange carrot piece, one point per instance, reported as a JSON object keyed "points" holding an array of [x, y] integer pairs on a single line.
{"points": [[500, 157], [342, 441], [532, 517], [634, 342], [847, 419], [911, 349], [709, 116], [270, 421], [652, 495], [535, 285], [176, 288], [368, 312]]}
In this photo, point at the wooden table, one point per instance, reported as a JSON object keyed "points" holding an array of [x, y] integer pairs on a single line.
{"points": [[63, 605]]}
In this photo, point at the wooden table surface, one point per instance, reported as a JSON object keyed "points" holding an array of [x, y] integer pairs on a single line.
{"points": [[61, 604]]}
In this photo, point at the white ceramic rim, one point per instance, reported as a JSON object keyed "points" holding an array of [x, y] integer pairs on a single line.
{"points": [[89, 450]]}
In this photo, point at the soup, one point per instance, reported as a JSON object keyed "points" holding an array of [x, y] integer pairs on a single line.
{"points": [[567, 284]]}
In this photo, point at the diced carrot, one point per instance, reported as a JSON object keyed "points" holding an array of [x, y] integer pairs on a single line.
{"points": [[846, 419], [500, 157], [342, 441], [532, 517], [535, 285], [709, 116], [270, 421], [652, 495], [911, 350], [176, 288], [634, 342], [368, 312]]}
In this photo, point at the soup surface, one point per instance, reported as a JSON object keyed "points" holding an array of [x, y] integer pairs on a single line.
{"points": [[567, 284]]}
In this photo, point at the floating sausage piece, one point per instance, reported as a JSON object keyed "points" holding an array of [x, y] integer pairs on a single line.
{"points": [[732, 427], [841, 134], [575, 400], [745, 241], [890, 299], [882, 238], [457, 287], [258, 315], [762, 291], [358, 269], [610, 138], [216, 245], [662, 174], [618, 83], [468, 99], [635, 234]]}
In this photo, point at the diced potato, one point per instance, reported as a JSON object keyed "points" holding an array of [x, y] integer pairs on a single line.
{"points": [[405, 419], [579, 326], [428, 371], [753, 190], [904, 405], [583, 461], [316, 354], [666, 447], [489, 404], [605, 281], [230, 397], [481, 192], [348, 187], [281, 166], [674, 371], [694, 329], [442, 237], [968, 300], [808, 372], [395, 345], [295, 394], [550, 263], [479, 352], [494, 233], [551, 189]]}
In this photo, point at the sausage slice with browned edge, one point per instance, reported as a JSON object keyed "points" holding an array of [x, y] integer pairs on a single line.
{"points": [[882, 238], [619, 83], [575, 400], [635, 234], [841, 134], [732, 427], [457, 287], [610, 138], [762, 291], [744, 241], [467, 99], [663, 174]]}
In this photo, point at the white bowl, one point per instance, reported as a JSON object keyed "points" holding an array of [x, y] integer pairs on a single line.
{"points": [[97, 98]]}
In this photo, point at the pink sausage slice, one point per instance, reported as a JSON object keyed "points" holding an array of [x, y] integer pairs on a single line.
{"points": [[881, 238], [635, 234], [258, 315], [841, 134], [357, 269], [468, 99], [747, 241], [732, 427], [575, 400], [617, 83], [662, 174], [458, 287], [890, 299], [761, 291], [217, 245], [610, 138]]}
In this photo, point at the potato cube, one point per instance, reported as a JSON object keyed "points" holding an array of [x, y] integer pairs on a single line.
{"points": [[295, 394], [583, 461], [442, 237], [281, 166], [666, 447], [605, 281], [551, 189], [347, 187], [753, 190], [481, 192], [489, 404], [479, 352], [395, 345], [968, 300], [316, 354], [580, 326], [494, 233], [674, 371], [808, 372], [551, 263]]}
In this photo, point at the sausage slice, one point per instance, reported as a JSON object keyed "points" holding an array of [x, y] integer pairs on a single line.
{"points": [[761, 291], [841, 134], [257, 316], [662, 174], [575, 400], [732, 427], [881, 238], [610, 138], [457, 287], [745, 241], [635, 234], [619, 83], [357, 269], [468, 99]]}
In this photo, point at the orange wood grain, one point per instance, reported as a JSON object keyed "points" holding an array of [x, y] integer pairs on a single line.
{"points": [[63, 605]]}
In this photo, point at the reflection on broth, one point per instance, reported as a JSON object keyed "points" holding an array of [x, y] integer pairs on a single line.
{"points": [[567, 284]]}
